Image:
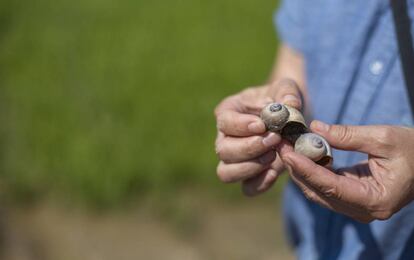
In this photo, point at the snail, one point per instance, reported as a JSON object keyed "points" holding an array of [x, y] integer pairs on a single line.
{"points": [[315, 147], [290, 124], [275, 116], [284, 120]]}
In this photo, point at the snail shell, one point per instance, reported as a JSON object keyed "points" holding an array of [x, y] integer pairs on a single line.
{"points": [[314, 147], [275, 116], [285, 120], [295, 125], [290, 124]]}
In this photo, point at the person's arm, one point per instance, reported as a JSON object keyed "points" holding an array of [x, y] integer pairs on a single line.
{"points": [[289, 63], [245, 149], [375, 189]]}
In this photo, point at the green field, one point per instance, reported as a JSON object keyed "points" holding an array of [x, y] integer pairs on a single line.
{"points": [[104, 101]]}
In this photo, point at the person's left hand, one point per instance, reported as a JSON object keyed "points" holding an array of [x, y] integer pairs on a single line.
{"points": [[374, 189]]}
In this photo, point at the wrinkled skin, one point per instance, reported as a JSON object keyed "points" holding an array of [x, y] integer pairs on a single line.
{"points": [[246, 151], [374, 189]]}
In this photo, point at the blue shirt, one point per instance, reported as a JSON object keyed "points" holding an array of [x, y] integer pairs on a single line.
{"points": [[353, 77]]}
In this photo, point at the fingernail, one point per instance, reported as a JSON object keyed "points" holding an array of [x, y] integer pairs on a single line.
{"points": [[289, 99], [267, 158], [220, 125], [320, 126], [271, 176], [218, 149], [271, 139], [272, 173], [256, 127]]}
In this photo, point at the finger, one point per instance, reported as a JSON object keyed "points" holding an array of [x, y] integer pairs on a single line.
{"points": [[287, 92], [309, 192], [376, 140], [326, 182], [220, 137], [249, 101], [233, 123], [284, 147], [359, 171], [278, 165], [236, 149], [260, 183], [234, 172], [338, 206], [338, 199], [316, 195]]}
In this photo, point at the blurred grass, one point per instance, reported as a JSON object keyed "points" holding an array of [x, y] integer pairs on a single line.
{"points": [[104, 101]]}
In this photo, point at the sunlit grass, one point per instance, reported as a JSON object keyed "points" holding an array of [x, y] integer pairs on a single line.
{"points": [[102, 101]]}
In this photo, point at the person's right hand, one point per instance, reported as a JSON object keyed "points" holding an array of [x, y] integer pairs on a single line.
{"points": [[246, 151]]}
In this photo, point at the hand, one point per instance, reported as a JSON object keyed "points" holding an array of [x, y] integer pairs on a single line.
{"points": [[374, 189], [245, 150]]}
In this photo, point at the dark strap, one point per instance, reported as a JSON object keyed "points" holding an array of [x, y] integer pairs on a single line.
{"points": [[402, 26]]}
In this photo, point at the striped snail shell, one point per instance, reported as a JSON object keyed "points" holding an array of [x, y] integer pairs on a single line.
{"points": [[284, 120], [275, 116], [290, 124], [315, 147]]}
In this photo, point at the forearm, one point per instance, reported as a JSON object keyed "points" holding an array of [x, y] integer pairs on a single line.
{"points": [[290, 64]]}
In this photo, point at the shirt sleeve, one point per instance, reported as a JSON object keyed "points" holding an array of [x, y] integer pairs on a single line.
{"points": [[290, 21]]}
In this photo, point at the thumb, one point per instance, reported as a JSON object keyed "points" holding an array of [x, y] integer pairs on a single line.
{"points": [[366, 139], [287, 92]]}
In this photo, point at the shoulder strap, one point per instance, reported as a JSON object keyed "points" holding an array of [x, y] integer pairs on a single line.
{"points": [[402, 24]]}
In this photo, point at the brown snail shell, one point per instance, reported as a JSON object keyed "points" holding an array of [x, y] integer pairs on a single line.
{"points": [[285, 120], [315, 147], [295, 125], [290, 124], [275, 116]]}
